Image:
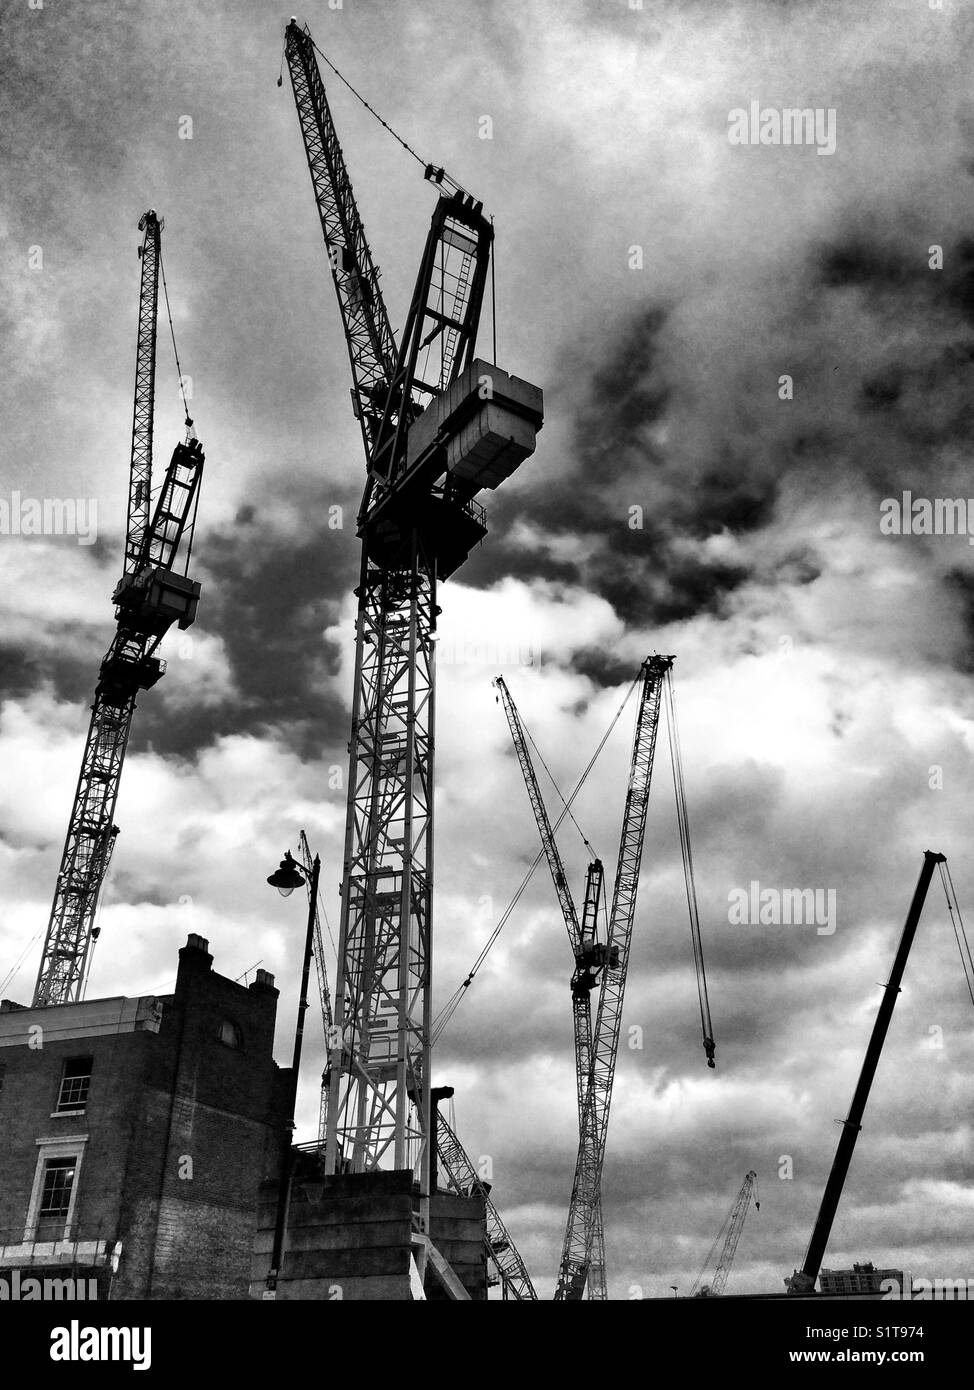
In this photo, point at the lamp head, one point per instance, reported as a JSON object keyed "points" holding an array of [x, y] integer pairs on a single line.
{"points": [[287, 876]]}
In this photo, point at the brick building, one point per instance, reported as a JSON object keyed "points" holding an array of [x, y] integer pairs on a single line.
{"points": [[135, 1134]]}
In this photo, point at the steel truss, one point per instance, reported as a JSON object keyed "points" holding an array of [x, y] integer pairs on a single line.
{"points": [[580, 1234]]}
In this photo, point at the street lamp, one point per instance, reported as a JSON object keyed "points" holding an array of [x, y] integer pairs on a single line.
{"points": [[288, 876]]}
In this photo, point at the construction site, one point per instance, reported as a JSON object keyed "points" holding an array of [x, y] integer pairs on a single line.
{"points": [[300, 1022]]}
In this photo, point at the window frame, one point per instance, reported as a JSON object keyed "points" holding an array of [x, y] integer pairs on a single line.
{"points": [[238, 1043], [49, 1149], [75, 1107]]}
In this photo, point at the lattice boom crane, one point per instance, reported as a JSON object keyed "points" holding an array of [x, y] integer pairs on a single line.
{"points": [[586, 1187], [731, 1231], [149, 598], [438, 425], [588, 954]]}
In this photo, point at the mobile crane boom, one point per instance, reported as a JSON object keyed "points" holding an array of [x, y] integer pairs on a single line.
{"points": [[803, 1281]]}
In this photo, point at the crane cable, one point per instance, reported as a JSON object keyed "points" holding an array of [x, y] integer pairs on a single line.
{"points": [[450, 1008], [444, 177], [15, 968], [959, 933], [585, 840], [676, 761], [172, 333]]}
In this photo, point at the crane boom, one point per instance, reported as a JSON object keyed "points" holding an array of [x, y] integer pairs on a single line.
{"points": [[140, 469], [803, 1280], [500, 1248], [581, 938], [731, 1231], [149, 597], [548, 842], [586, 1186], [372, 348]]}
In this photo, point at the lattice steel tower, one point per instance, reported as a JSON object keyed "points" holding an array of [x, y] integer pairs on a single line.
{"points": [[438, 426]]}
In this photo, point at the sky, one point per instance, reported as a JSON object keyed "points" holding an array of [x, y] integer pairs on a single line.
{"points": [[745, 349]]}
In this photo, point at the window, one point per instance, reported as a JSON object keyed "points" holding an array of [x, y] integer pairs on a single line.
{"points": [[75, 1081], [50, 1216], [230, 1034], [56, 1190]]}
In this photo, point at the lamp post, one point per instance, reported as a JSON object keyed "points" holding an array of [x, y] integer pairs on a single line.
{"points": [[285, 879]]}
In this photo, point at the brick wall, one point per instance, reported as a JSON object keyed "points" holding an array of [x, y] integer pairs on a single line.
{"points": [[181, 1129]]}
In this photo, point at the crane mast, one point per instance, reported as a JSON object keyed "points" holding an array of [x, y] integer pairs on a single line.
{"points": [[149, 597], [588, 955], [586, 1187], [438, 425]]}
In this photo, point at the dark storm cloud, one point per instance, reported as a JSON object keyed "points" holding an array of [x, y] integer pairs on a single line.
{"points": [[879, 409], [24, 668], [269, 597], [614, 465]]}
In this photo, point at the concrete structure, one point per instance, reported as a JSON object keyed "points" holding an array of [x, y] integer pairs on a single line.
{"points": [[864, 1278], [349, 1237], [135, 1133]]}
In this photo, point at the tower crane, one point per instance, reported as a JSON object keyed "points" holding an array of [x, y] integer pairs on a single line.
{"points": [[150, 596], [438, 425], [605, 964], [589, 955], [462, 1178], [577, 1248], [731, 1231]]}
